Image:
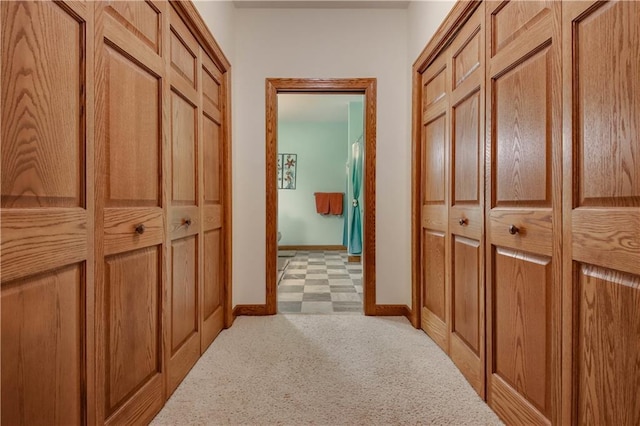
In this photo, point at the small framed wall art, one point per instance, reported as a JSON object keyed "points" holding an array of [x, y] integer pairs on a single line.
{"points": [[287, 171]]}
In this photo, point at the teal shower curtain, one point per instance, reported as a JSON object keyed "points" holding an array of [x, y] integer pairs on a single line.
{"points": [[355, 239]]}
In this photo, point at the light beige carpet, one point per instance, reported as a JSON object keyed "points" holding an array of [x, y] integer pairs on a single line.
{"points": [[324, 370]]}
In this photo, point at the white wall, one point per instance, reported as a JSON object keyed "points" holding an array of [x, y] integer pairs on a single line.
{"points": [[322, 43], [321, 150], [424, 19], [344, 43], [219, 17]]}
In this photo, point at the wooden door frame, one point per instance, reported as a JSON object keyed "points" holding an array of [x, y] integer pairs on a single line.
{"points": [[366, 87]]}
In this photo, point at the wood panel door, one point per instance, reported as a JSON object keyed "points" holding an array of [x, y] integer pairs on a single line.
{"points": [[46, 211], [435, 241], [601, 212], [182, 339], [213, 101], [130, 210], [524, 132], [466, 206]]}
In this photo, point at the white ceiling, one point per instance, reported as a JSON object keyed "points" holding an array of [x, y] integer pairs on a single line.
{"points": [[315, 107], [321, 4]]}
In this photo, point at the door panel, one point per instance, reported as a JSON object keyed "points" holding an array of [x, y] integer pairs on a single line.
{"points": [[185, 227], [132, 168], [608, 372], [133, 281], [521, 290], [465, 262], [521, 99], [465, 283], [42, 127], [434, 198], [42, 331], [184, 167], [184, 294], [46, 217], [130, 214], [212, 170], [602, 212], [524, 215]]}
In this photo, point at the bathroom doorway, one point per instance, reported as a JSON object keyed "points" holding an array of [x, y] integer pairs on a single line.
{"points": [[320, 169], [314, 238]]}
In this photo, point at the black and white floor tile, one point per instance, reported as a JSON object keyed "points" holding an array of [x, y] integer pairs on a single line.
{"points": [[320, 282]]}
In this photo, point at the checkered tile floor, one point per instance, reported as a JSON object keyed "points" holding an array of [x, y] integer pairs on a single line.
{"points": [[320, 282]]}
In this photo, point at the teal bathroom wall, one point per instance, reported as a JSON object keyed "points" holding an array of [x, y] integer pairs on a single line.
{"points": [[322, 156]]}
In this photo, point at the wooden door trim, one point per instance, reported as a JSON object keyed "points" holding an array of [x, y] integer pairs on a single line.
{"points": [[441, 39], [367, 87]]}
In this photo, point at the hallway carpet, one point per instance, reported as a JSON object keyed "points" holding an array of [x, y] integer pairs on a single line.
{"points": [[324, 370]]}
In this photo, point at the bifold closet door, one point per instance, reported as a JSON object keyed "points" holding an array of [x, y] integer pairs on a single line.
{"points": [[466, 208], [184, 221], [524, 133], [435, 313], [601, 66], [130, 209], [47, 212], [213, 140]]}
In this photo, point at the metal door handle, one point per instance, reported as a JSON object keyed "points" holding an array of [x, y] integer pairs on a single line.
{"points": [[513, 230], [463, 221], [140, 229], [187, 221]]}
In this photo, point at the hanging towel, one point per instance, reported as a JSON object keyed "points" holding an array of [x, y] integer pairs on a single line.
{"points": [[335, 203], [322, 202]]}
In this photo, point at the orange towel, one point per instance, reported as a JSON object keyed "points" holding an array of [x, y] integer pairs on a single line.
{"points": [[335, 202], [322, 202]]}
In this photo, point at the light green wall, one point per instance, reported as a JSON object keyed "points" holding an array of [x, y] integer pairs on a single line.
{"points": [[322, 157]]}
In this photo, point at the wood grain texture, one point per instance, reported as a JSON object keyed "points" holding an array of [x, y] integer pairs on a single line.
{"points": [[366, 86], [465, 289], [468, 57], [134, 132], [184, 221], [392, 311], [435, 328], [43, 330], [133, 348], [130, 274], [434, 295], [183, 50], [524, 114], [522, 290], [184, 290], [466, 150], [250, 310], [37, 240], [607, 109], [435, 148], [42, 106], [510, 21], [212, 170], [601, 213], [212, 277], [608, 346], [142, 18], [120, 229], [522, 144], [184, 150], [435, 88]]}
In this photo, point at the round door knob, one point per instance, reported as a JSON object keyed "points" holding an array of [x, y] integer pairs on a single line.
{"points": [[463, 221], [187, 221], [140, 229], [513, 230]]}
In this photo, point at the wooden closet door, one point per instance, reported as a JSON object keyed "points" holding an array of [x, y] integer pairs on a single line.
{"points": [[129, 206], [183, 309], [212, 166], [466, 208], [523, 235], [601, 66], [436, 81], [47, 213]]}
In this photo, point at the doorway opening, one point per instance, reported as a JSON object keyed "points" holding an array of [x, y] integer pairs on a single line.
{"points": [[362, 150]]}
